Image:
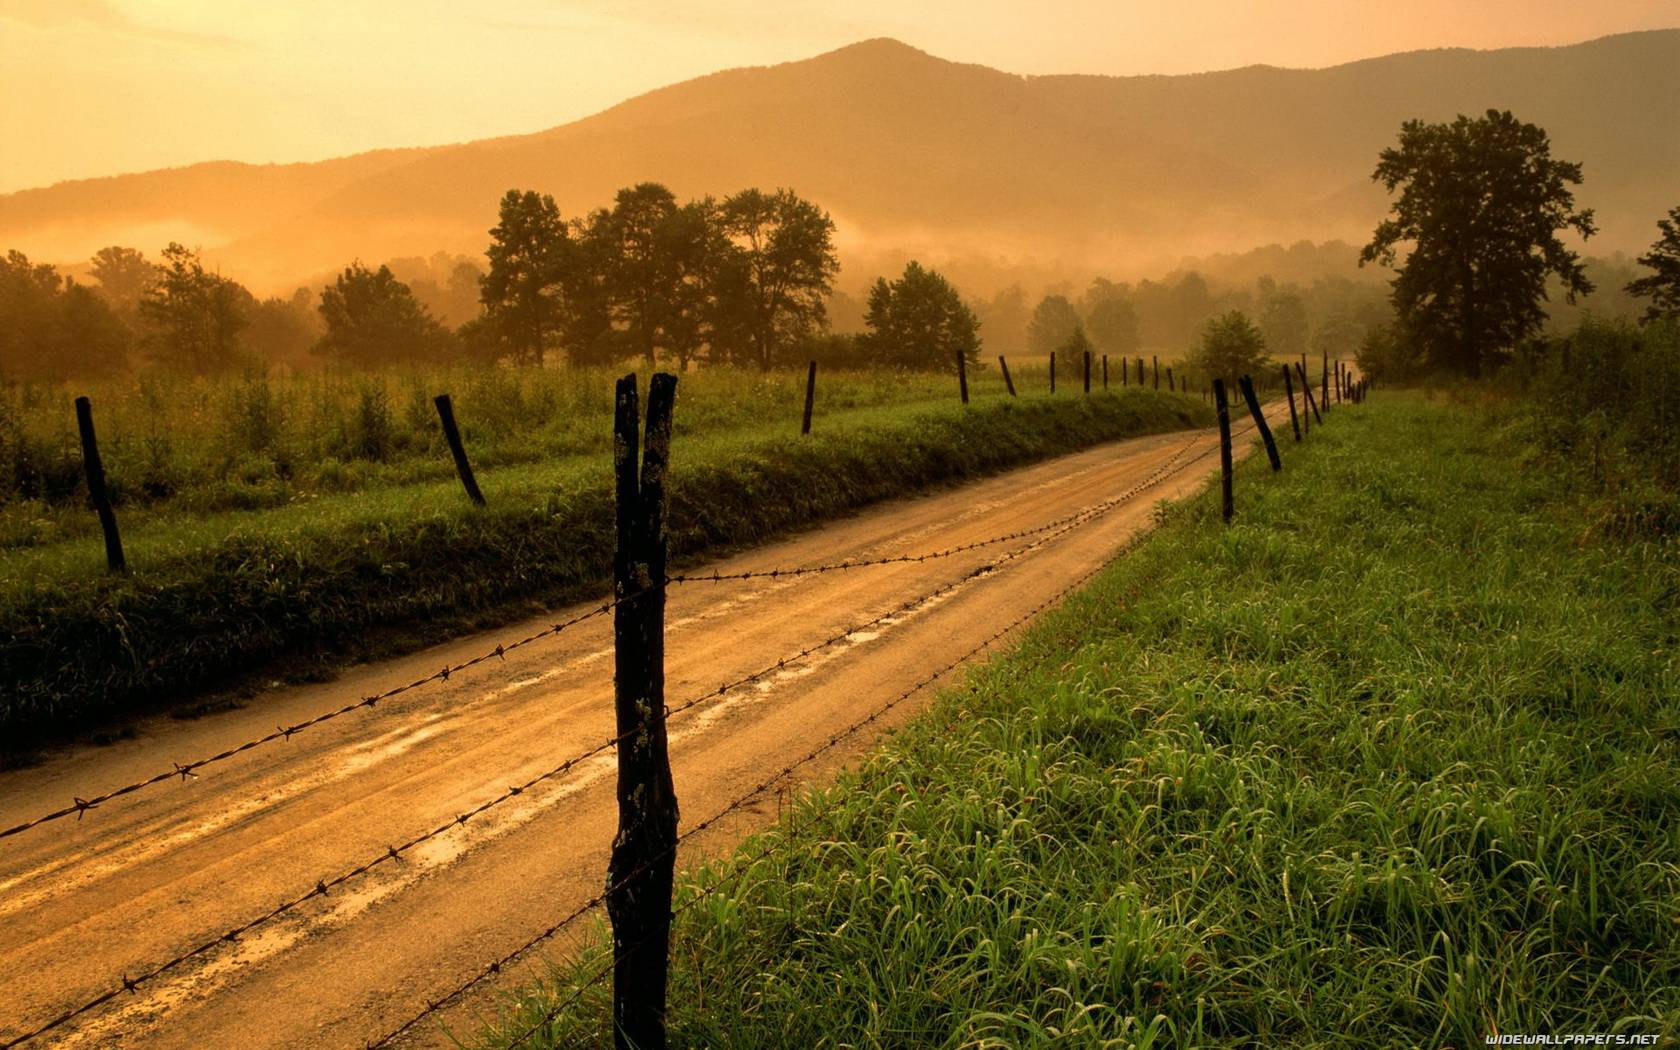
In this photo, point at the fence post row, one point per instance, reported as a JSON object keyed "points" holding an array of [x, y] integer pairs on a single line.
{"points": [[1289, 391], [1260, 423], [1224, 409], [452, 435], [1306, 391], [1007, 381], [640, 872], [94, 468], [962, 377], [810, 397]]}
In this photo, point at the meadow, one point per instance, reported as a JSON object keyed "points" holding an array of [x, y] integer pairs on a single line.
{"points": [[320, 517], [1390, 760]]}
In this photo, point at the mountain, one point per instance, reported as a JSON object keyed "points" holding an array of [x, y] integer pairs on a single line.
{"points": [[913, 154]]}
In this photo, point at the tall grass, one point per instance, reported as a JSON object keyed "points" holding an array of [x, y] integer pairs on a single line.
{"points": [[1393, 760]]}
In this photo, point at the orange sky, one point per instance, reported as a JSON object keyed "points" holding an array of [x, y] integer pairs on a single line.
{"points": [[94, 87]]}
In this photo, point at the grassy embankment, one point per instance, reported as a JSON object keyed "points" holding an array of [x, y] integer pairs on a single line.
{"points": [[402, 557], [1393, 760]]}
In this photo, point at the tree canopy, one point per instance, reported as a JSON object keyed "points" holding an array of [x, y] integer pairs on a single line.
{"points": [[373, 319], [1481, 203], [196, 316], [1662, 284], [919, 321], [1053, 321], [1231, 346]]}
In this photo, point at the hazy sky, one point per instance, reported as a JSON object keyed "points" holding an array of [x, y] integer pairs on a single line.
{"points": [[94, 87]]}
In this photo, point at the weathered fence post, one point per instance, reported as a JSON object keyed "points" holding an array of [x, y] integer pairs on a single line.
{"points": [[1224, 409], [1289, 391], [1306, 392], [1087, 371], [644, 851], [452, 435], [1007, 381], [1324, 379], [810, 397], [1170, 386], [1052, 371], [1105, 371], [962, 376], [1260, 423], [1155, 361], [94, 468]]}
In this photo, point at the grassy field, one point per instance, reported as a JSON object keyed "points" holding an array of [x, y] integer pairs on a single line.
{"points": [[1394, 760], [401, 557]]}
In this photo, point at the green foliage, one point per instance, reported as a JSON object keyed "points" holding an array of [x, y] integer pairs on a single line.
{"points": [[1231, 347], [124, 278], [1053, 322], [919, 321], [1662, 285], [1238, 793], [1385, 355], [773, 280], [1113, 323], [332, 512], [1481, 203], [196, 315], [529, 287], [53, 328], [373, 319]]}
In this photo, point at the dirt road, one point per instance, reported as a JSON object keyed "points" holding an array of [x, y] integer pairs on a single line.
{"points": [[151, 875]]}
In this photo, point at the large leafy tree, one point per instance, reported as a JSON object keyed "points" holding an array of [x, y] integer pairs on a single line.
{"points": [[772, 280], [1053, 321], [919, 321], [1231, 346], [522, 294], [659, 278], [124, 277], [374, 319], [1481, 203], [1662, 284], [1113, 322], [196, 316]]}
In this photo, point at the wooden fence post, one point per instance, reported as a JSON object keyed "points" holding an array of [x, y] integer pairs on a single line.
{"points": [[1227, 507], [1306, 392], [1007, 381], [1125, 372], [452, 434], [810, 397], [962, 376], [1052, 371], [1170, 386], [94, 468], [1289, 391], [639, 874], [1087, 371], [1155, 360], [1324, 380], [1105, 371], [1260, 423]]}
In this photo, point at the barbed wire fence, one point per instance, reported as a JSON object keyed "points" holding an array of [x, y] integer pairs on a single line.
{"points": [[626, 601]]}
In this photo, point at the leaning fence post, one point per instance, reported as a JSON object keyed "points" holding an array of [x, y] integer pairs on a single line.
{"points": [[1087, 371], [452, 434], [962, 377], [95, 471], [1052, 371], [1224, 409], [1289, 391], [1007, 381], [639, 875], [1306, 392], [1260, 423], [810, 397]]}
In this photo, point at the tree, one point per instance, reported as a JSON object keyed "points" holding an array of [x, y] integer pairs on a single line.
{"points": [[124, 278], [1387, 356], [196, 316], [1481, 203], [284, 331], [522, 293], [1231, 346], [53, 328], [772, 279], [1283, 320], [659, 277], [1662, 285], [1053, 321], [919, 321], [1114, 326], [373, 319], [1076, 346]]}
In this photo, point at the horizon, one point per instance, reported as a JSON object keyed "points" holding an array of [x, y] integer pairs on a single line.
{"points": [[105, 35]]}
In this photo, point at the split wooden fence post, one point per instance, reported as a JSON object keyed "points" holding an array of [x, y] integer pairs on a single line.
{"points": [[1260, 423], [1007, 381], [639, 875], [810, 397], [1223, 407], [94, 468], [1289, 391], [452, 435]]}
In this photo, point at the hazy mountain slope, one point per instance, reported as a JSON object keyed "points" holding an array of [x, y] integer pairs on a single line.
{"points": [[910, 151]]}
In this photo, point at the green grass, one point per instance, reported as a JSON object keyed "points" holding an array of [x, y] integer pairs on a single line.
{"points": [[1394, 760], [215, 593]]}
